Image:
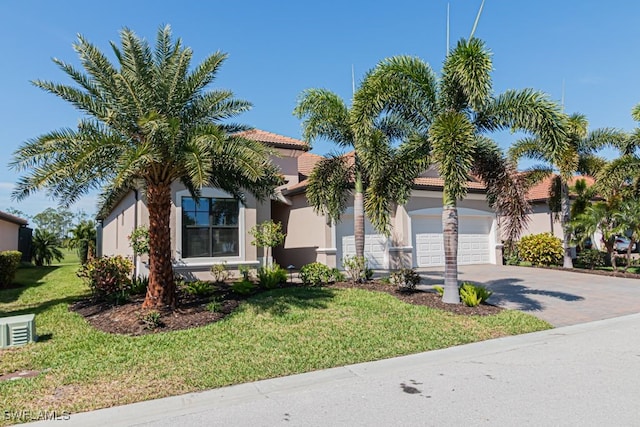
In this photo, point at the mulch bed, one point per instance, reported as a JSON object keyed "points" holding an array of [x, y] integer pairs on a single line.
{"points": [[192, 311]]}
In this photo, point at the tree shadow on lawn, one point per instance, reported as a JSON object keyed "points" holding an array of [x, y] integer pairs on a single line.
{"points": [[279, 302], [26, 277], [508, 292]]}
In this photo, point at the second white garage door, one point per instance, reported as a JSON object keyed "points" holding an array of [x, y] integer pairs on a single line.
{"points": [[473, 240]]}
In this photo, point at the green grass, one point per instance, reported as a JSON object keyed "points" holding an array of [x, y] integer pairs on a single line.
{"points": [[277, 333]]}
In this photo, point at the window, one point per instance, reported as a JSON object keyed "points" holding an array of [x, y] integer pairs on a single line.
{"points": [[210, 227]]}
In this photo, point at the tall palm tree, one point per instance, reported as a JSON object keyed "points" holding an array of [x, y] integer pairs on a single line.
{"points": [[600, 217], [83, 239], [374, 162], [149, 120], [628, 218], [452, 113], [578, 156]]}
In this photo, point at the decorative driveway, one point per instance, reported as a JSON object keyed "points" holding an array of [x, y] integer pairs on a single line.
{"points": [[561, 298]]}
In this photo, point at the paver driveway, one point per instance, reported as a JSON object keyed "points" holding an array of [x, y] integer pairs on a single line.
{"points": [[559, 297]]}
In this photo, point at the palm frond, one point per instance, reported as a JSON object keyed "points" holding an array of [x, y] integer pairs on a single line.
{"points": [[328, 186], [324, 115]]}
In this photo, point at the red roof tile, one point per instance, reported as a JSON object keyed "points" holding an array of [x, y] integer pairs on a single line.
{"points": [[274, 139], [540, 191], [306, 163]]}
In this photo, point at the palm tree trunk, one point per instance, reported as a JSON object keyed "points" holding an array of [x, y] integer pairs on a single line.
{"points": [[358, 216], [565, 218], [450, 240], [161, 289]]}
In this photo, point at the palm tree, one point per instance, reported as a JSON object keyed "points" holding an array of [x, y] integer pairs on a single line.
{"points": [[628, 218], [83, 239], [149, 121], [374, 162], [45, 247], [600, 217], [577, 157], [452, 113]]}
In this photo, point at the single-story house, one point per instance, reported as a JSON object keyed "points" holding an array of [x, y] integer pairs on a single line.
{"points": [[216, 230], [15, 235], [542, 219]]}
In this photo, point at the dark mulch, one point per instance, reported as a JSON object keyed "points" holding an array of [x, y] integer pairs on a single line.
{"points": [[192, 311], [429, 299]]}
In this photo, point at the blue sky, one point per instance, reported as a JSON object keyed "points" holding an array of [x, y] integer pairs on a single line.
{"points": [[277, 49]]}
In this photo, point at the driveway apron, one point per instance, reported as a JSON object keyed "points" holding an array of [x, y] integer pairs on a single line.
{"points": [[560, 297]]}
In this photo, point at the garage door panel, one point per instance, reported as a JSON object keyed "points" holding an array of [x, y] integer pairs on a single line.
{"points": [[375, 250], [473, 241]]}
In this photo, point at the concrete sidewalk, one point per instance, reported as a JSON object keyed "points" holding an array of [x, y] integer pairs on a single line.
{"points": [[587, 375]]}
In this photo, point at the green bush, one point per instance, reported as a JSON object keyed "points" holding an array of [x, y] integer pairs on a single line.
{"points": [[318, 274], [357, 268], [197, 288], [9, 263], [139, 285], [243, 287], [592, 258], [107, 277], [219, 272], [510, 255], [406, 279], [151, 320], [45, 248], [473, 295], [272, 276], [541, 249], [214, 305]]}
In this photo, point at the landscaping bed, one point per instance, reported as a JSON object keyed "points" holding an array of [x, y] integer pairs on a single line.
{"points": [[192, 311]]}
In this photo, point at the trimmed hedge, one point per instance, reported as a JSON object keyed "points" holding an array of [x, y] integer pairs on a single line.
{"points": [[9, 263], [541, 249]]}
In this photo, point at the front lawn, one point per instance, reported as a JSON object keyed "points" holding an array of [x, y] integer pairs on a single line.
{"points": [[281, 332]]}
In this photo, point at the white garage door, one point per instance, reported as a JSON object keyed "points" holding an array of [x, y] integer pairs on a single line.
{"points": [[473, 240], [375, 249], [375, 245]]}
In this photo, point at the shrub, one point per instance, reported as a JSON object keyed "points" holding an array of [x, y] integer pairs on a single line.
{"points": [[107, 277], [473, 295], [245, 271], [406, 279], [357, 268], [214, 306], [219, 272], [151, 320], [317, 274], [510, 255], [270, 277], [139, 240], [243, 287], [45, 248], [541, 249], [197, 288], [9, 263], [592, 258], [139, 285]]}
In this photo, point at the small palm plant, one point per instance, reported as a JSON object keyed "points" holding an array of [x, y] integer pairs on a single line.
{"points": [[45, 248]]}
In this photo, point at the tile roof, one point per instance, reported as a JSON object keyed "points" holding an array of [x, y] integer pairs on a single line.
{"points": [[12, 218], [274, 139], [540, 191], [306, 163]]}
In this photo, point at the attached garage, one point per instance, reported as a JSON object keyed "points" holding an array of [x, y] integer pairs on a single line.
{"points": [[475, 237], [376, 246]]}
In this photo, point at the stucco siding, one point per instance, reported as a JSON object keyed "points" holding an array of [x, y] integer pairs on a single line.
{"points": [[8, 236], [308, 235], [117, 226], [542, 221]]}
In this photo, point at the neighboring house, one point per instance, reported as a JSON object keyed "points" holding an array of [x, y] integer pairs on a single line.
{"points": [[217, 230], [542, 219], [15, 235]]}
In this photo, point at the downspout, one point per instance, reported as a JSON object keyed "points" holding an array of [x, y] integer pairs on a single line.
{"points": [[136, 258]]}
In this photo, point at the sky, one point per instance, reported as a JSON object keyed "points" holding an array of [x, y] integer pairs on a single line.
{"points": [[586, 49]]}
